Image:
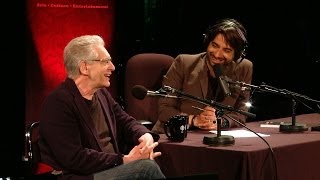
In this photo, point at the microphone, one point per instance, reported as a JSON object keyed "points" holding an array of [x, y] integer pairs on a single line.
{"points": [[140, 92], [221, 79], [239, 85]]}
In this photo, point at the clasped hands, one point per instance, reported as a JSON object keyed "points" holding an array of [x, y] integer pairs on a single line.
{"points": [[206, 119], [144, 150]]}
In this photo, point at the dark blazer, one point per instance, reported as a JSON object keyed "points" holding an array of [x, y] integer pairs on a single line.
{"points": [[68, 139], [189, 73]]}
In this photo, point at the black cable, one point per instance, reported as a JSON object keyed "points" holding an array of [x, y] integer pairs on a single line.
{"points": [[270, 148], [223, 107]]}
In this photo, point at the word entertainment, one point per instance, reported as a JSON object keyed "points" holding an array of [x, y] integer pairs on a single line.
{"points": [[83, 6]]}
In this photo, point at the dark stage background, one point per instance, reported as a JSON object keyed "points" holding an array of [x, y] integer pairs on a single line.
{"points": [[283, 41], [283, 45]]}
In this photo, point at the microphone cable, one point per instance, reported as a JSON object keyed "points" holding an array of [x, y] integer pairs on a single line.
{"points": [[275, 177], [206, 102]]}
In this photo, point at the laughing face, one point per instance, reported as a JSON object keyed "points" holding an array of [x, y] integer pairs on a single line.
{"points": [[101, 69], [219, 51]]}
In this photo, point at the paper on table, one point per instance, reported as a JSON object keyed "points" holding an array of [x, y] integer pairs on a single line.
{"points": [[239, 133], [272, 124]]}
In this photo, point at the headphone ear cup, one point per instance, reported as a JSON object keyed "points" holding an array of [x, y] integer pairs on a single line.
{"points": [[205, 39], [243, 53]]}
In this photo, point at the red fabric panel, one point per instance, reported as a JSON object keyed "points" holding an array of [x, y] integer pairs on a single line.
{"points": [[43, 168]]}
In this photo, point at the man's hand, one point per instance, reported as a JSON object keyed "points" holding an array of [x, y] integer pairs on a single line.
{"points": [[144, 150], [146, 139], [206, 119]]}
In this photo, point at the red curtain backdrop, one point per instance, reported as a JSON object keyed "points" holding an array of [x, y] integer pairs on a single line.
{"points": [[51, 25]]}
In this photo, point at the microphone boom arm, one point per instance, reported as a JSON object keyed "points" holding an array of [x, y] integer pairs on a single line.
{"points": [[208, 102], [267, 88]]}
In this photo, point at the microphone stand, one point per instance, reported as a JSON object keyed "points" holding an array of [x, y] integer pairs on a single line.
{"points": [[293, 126], [218, 139], [284, 127]]}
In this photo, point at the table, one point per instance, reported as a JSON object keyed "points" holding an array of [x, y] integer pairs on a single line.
{"points": [[297, 154]]}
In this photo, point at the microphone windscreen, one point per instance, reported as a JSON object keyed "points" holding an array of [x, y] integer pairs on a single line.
{"points": [[217, 69], [139, 92]]}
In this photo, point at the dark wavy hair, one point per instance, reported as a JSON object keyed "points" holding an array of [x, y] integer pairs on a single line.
{"points": [[233, 31]]}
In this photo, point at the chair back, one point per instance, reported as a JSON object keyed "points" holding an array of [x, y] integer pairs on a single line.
{"points": [[31, 139], [146, 69], [36, 168]]}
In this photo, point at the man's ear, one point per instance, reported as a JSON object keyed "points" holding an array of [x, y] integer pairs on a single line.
{"points": [[83, 68]]}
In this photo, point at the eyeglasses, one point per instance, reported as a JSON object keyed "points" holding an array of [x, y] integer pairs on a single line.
{"points": [[103, 61]]}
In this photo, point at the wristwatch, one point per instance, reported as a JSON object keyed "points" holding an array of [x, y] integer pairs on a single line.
{"points": [[224, 123]]}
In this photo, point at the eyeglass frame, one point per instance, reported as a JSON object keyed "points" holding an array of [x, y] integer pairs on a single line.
{"points": [[104, 61]]}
